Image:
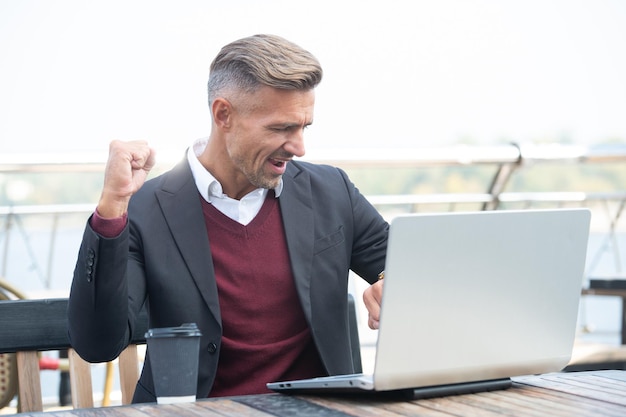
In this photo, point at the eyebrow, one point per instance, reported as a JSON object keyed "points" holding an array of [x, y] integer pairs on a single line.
{"points": [[289, 125]]}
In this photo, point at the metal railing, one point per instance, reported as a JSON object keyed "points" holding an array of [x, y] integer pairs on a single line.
{"points": [[506, 161]]}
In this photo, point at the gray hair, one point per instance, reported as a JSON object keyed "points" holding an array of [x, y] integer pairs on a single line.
{"points": [[263, 60]]}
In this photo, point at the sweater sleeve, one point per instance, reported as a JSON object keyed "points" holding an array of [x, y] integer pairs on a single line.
{"points": [[108, 228]]}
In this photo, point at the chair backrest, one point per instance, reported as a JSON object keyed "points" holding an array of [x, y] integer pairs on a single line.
{"points": [[355, 340], [30, 326], [8, 363]]}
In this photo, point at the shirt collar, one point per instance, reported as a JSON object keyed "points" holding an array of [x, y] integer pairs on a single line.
{"points": [[208, 186]]}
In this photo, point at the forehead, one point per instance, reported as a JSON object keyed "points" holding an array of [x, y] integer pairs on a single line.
{"points": [[268, 101]]}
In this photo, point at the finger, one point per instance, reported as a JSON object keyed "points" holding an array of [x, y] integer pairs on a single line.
{"points": [[138, 153], [142, 158]]}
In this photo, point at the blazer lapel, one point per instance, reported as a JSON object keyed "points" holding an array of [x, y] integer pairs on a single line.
{"points": [[179, 201], [297, 213]]}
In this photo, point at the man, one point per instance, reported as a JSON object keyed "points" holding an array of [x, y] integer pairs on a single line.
{"points": [[252, 246]]}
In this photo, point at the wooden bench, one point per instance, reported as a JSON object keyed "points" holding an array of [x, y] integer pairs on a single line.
{"points": [[588, 356], [610, 287], [30, 326]]}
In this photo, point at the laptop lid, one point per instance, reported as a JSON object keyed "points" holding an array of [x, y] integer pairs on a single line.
{"points": [[479, 295]]}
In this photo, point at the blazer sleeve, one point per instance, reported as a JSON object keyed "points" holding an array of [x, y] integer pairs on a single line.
{"points": [[370, 233], [365, 230], [100, 320]]}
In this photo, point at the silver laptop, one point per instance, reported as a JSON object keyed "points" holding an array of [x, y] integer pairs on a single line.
{"points": [[471, 300]]}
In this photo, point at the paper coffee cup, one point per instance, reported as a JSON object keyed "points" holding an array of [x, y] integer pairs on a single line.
{"points": [[174, 361]]}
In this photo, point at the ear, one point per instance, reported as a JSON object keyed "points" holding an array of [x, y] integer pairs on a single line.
{"points": [[222, 112]]}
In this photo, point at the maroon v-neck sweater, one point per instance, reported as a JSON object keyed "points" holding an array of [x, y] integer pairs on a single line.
{"points": [[265, 334]]}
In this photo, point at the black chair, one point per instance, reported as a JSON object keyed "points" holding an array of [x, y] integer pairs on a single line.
{"points": [[30, 326], [355, 343]]}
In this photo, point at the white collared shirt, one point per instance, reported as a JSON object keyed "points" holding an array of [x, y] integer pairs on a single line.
{"points": [[242, 211]]}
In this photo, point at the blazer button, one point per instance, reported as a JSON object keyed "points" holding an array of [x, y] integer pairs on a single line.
{"points": [[91, 256], [212, 348]]}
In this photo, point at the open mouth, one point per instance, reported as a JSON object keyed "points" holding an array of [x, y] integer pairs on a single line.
{"points": [[277, 163]]}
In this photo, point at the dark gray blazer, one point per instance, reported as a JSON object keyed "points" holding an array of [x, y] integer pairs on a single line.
{"points": [[163, 257]]}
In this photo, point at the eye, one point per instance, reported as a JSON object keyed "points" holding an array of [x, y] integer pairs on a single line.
{"points": [[279, 128], [288, 128], [282, 129]]}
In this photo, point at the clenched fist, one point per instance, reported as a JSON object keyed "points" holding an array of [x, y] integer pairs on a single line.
{"points": [[126, 170]]}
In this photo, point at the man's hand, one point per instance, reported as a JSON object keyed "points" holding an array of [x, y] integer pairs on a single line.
{"points": [[372, 297], [127, 168]]}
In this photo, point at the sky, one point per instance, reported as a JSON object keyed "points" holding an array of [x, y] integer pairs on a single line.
{"points": [[76, 74]]}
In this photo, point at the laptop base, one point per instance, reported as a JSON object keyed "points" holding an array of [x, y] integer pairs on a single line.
{"points": [[408, 393], [458, 389]]}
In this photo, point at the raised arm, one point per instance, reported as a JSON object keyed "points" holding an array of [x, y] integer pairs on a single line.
{"points": [[98, 315]]}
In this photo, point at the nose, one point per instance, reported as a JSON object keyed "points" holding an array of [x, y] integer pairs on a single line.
{"points": [[295, 144]]}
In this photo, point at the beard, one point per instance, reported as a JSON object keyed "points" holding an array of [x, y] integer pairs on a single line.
{"points": [[262, 180], [258, 177]]}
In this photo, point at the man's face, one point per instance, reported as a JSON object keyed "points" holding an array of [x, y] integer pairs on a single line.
{"points": [[267, 131]]}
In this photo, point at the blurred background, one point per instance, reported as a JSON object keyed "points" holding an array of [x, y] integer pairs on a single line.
{"points": [[429, 105], [75, 74]]}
